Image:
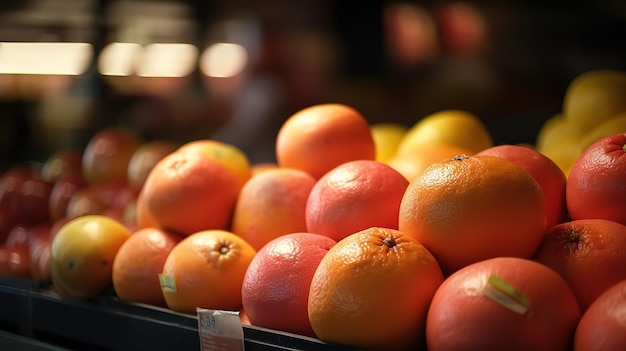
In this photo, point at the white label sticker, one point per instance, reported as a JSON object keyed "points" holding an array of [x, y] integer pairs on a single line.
{"points": [[220, 330]]}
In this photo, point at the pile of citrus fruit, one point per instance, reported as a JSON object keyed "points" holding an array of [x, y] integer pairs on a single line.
{"points": [[372, 236]]}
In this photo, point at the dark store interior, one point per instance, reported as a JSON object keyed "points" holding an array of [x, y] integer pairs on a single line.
{"points": [[508, 62]]}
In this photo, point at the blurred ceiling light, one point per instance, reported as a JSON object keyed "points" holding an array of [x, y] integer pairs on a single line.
{"points": [[45, 58], [153, 60], [223, 60], [117, 59], [167, 60]]}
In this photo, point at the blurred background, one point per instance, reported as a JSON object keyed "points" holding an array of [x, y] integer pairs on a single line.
{"points": [[235, 70]]}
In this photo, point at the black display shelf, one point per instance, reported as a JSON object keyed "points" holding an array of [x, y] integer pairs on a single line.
{"points": [[36, 318]]}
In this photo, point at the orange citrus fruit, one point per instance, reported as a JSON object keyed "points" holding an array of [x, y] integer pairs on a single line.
{"points": [[471, 208], [257, 168], [546, 172], [588, 253], [602, 325], [137, 265], [276, 286], [372, 291], [321, 137], [354, 196], [229, 155], [272, 204], [502, 303], [595, 186], [206, 270], [187, 192]]}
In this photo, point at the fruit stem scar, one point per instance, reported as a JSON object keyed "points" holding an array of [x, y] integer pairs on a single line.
{"points": [[506, 295], [224, 249], [460, 157], [389, 242]]}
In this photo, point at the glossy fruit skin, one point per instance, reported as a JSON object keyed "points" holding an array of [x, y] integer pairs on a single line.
{"points": [[61, 164], [61, 194], [187, 193], [354, 196], [602, 326], [144, 158], [137, 265], [372, 291], [588, 253], [206, 269], [276, 286], [82, 254], [272, 204], [472, 208], [548, 175], [228, 155], [595, 186], [462, 317], [107, 155], [318, 138], [31, 201]]}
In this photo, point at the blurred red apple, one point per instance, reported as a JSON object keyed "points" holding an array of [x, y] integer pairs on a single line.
{"points": [[61, 164], [7, 221], [31, 201], [11, 182], [590, 254], [27, 234], [144, 159], [40, 247], [117, 194], [107, 155], [86, 201], [14, 261], [62, 191]]}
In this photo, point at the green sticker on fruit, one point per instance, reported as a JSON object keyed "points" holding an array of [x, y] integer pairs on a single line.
{"points": [[506, 295], [168, 283]]}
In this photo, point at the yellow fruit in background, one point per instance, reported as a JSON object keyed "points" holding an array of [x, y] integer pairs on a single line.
{"points": [[613, 125], [595, 96], [387, 138], [554, 130], [564, 154], [449, 127], [411, 165]]}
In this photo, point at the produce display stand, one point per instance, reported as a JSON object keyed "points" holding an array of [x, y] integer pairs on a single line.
{"points": [[35, 318]]}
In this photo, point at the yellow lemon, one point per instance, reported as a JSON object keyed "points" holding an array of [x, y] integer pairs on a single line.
{"points": [[613, 125], [595, 96], [556, 129], [387, 137], [448, 127]]}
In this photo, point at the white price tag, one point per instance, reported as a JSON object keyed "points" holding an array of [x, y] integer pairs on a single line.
{"points": [[219, 330]]}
